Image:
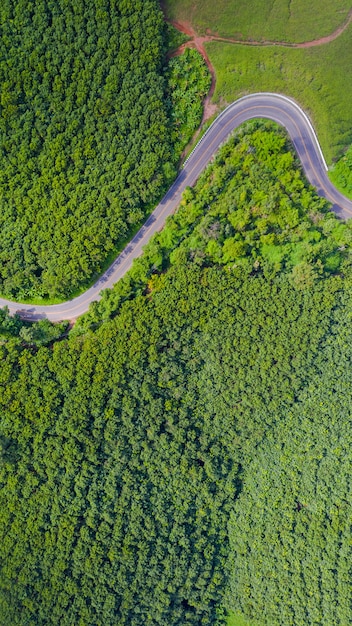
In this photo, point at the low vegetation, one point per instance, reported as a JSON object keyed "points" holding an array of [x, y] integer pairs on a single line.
{"points": [[279, 21], [237, 619], [315, 77]]}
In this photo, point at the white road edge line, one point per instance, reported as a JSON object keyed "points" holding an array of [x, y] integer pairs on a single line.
{"points": [[262, 93]]}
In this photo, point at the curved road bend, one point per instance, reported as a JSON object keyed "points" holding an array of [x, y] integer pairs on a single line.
{"points": [[276, 107]]}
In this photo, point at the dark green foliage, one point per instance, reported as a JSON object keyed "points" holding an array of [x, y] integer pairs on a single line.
{"points": [[290, 530], [84, 136], [10, 325], [7, 451], [42, 333], [199, 437], [188, 82], [173, 38], [130, 446], [39, 333], [341, 174], [252, 209]]}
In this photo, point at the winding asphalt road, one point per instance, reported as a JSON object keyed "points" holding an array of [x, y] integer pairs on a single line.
{"points": [[262, 105]]}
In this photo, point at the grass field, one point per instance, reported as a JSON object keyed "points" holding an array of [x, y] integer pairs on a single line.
{"points": [[295, 21], [235, 619], [318, 78]]}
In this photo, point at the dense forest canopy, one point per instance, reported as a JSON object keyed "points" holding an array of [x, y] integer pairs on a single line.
{"points": [[187, 83], [194, 419], [341, 173], [84, 142], [251, 208]]}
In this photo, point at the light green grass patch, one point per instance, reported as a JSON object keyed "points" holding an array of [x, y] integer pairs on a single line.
{"points": [[236, 619], [293, 21], [318, 78]]}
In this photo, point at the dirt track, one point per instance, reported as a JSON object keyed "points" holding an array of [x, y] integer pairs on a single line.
{"points": [[198, 41]]}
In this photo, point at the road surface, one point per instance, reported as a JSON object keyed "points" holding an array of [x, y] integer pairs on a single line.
{"points": [[262, 105]]}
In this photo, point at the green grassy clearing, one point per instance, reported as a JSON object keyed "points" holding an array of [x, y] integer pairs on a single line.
{"points": [[258, 19], [318, 78], [235, 619]]}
